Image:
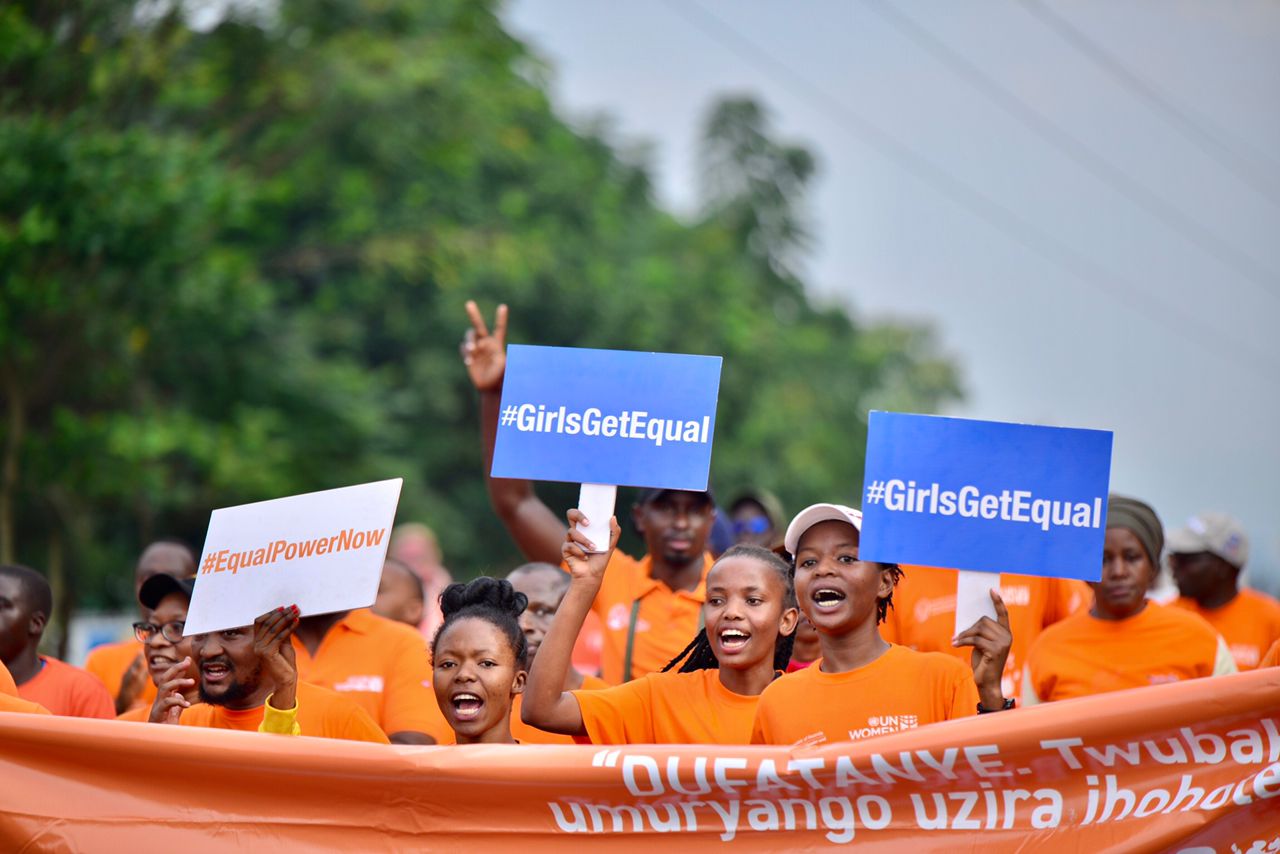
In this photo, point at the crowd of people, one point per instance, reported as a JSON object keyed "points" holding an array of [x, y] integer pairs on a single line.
{"points": [[738, 625]]}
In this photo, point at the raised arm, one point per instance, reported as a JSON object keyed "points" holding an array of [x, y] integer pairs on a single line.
{"points": [[545, 704], [536, 530]]}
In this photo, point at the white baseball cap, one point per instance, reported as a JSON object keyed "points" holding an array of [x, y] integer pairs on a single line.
{"points": [[812, 515]]}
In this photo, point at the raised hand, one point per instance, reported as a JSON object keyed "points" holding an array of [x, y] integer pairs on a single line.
{"points": [[272, 633], [578, 552], [485, 353], [991, 640], [170, 694]]}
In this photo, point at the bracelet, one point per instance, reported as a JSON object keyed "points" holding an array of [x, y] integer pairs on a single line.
{"points": [[1009, 703]]}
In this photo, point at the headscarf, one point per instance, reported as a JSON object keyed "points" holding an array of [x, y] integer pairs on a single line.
{"points": [[1138, 517]]}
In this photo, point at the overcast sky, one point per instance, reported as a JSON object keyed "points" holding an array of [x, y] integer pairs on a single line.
{"points": [[1082, 198]]}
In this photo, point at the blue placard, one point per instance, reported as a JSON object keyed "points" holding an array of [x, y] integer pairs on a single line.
{"points": [[607, 416], [985, 495]]}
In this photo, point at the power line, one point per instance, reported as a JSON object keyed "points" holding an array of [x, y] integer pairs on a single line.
{"points": [[1192, 128], [1115, 178], [978, 204]]}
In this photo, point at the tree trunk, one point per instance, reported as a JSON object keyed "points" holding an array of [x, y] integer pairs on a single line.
{"points": [[14, 428]]}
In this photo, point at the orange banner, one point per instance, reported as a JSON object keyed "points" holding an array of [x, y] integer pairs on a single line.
{"points": [[1191, 767]]}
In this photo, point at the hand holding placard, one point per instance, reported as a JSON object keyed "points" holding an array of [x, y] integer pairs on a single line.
{"points": [[586, 558], [991, 641]]}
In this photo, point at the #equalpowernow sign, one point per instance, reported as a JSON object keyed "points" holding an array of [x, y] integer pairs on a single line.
{"points": [[607, 416], [322, 551], [985, 495]]}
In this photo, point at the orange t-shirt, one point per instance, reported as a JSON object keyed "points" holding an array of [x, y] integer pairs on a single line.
{"points": [[109, 663], [138, 714], [1249, 623], [7, 685], [923, 615], [665, 624], [1083, 655], [902, 689], [526, 734], [382, 665], [321, 713], [668, 708], [1272, 658], [67, 690], [10, 703]]}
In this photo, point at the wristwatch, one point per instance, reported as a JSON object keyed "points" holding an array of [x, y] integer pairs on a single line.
{"points": [[1009, 703]]}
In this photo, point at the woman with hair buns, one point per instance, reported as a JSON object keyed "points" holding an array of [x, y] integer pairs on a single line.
{"points": [[479, 659], [1124, 640]]}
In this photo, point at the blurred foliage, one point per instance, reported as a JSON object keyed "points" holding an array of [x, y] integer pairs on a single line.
{"points": [[234, 262]]}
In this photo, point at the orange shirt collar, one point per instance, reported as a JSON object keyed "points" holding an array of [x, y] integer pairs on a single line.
{"points": [[649, 583]]}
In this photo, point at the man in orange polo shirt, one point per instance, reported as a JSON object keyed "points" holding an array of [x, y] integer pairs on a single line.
{"points": [[249, 682], [382, 665], [1207, 555], [650, 607], [26, 601], [120, 666], [923, 615]]}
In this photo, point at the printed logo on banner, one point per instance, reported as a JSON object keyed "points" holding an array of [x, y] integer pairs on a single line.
{"points": [[985, 495], [607, 416]]}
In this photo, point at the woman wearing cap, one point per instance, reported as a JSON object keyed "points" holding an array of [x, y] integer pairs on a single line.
{"points": [[167, 651], [1125, 640], [863, 686]]}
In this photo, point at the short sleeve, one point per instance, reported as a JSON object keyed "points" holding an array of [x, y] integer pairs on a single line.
{"points": [[358, 726], [963, 693], [409, 703], [619, 715]]}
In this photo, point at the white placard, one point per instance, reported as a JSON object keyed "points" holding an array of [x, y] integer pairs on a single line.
{"points": [[597, 502], [322, 551], [973, 597]]}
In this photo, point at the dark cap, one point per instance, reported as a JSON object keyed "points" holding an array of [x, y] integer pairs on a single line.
{"points": [[647, 495], [158, 586]]}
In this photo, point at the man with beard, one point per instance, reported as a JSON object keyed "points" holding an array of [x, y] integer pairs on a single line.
{"points": [[249, 681], [650, 607]]}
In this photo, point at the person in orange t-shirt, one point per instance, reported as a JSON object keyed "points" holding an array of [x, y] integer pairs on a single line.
{"points": [[380, 664], [480, 659], [249, 682], [649, 607], [863, 686], [1207, 556], [26, 601], [1124, 640], [750, 617], [121, 667], [170, 660], [923, 616], [9, 699]]}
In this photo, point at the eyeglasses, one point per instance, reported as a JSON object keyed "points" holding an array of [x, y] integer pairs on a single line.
{"points": [[172, 631], [754, 525]]}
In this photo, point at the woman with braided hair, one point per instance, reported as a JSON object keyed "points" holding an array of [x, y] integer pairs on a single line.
{"points": [[708, 693]]}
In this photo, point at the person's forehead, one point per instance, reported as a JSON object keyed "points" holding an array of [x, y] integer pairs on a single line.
{"points": [[471, 635], [539, 583], [10, 587], [163, 558], [741, 573]]}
